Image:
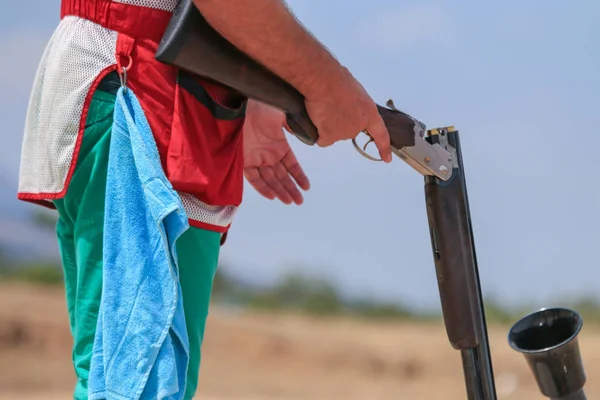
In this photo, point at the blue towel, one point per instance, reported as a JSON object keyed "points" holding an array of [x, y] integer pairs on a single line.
{"points": [[141, 348]]}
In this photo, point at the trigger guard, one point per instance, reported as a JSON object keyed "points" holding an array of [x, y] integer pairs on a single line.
{"points": [[364, 153]]}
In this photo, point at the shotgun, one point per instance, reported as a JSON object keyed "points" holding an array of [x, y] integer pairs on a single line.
{"points": [[547, 338], [191, 44]]}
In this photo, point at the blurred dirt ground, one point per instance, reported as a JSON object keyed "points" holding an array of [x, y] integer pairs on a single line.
{"points": [[262, 357]]}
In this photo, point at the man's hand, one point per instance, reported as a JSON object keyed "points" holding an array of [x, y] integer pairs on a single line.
{"points": [[342, 108], [269, 163], [267, 31]]}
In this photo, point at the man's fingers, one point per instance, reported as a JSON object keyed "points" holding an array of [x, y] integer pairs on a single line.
{"points": [[379, 133], [269, 177], [284, 177], [293, 167], [253, 177], [276, 182]]}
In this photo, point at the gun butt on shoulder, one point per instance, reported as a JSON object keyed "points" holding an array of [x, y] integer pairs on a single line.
{"points": [[191, 44]]}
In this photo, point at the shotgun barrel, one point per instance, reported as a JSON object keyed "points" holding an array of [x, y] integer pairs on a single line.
{"points": [[456, 269]]}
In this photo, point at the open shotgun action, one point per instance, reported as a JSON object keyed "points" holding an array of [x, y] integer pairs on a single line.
{"points": [[547, 338]]}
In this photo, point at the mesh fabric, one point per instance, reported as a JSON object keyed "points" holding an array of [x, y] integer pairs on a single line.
{"points": [[76, 53], [165, 5]]}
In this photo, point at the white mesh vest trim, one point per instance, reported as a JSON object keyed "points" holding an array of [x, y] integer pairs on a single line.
{"points": [[213, 215], [166, 5], [76, 53]]}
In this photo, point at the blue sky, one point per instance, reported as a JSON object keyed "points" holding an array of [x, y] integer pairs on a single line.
{"points": [[518, 78]]}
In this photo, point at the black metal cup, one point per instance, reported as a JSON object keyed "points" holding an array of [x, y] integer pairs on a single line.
{"points": [[548, 340]]}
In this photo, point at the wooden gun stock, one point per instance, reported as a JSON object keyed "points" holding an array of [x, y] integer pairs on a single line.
{"points": [[191, 44]]}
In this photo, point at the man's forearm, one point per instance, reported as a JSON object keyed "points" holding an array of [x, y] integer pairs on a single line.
{"points": [[268, 32]]}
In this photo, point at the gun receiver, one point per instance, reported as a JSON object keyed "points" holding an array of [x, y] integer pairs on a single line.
{"points": [[191, 44]]}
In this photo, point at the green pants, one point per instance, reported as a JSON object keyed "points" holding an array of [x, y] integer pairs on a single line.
{"points": [[80, 230]]}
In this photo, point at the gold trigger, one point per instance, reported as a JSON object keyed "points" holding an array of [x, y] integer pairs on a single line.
{"points": [[366, 144], [363, 151]]}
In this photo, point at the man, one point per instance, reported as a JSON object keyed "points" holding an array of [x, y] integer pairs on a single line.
{"points": [[208, 138]]}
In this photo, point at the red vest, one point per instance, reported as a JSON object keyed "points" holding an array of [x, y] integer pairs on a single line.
{"points": [[197, 125]]}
